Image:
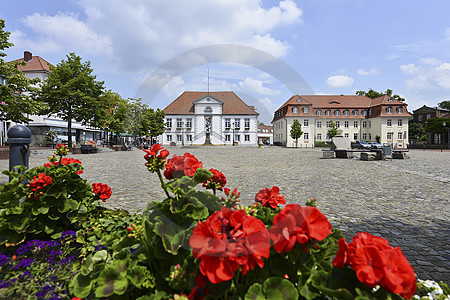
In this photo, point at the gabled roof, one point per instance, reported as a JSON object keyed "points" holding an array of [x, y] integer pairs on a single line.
{"points": [[232, 104], [338, 102], [36, 64]]}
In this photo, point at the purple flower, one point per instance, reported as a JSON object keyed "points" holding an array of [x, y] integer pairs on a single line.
{"points": [[3, 259], [4, 284], [69, 233], [44, 291], [25, 263]]}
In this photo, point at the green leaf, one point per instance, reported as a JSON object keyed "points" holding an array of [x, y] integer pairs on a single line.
{"points": [[255, 292], [10, 237], [68, 204], [202, 175], [39, 210], [113, 279], [81, 285], [279, 288], [101, 255], [172, 235], [320, 280], [20, 223]]}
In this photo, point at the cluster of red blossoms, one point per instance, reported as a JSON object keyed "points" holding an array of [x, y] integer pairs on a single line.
{"points": [[270, 197], [61, 150], [377, 263], [37, 184], [102, 190], [179, 166], [218, 181], [156, 157], [227, 240], [297, 224], [64, 161]]}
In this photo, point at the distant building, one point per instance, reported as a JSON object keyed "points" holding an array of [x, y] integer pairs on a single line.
{"points": [[223, 115], [265, 134], [356, 116], [37, 67], [421, 115]]}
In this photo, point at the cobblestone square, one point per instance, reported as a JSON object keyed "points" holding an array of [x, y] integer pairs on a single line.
{"points": [[405, 201]]}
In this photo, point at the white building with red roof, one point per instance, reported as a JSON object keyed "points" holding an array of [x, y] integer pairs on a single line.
{"points": [[37, 67], [356, 116], [222, 116]]}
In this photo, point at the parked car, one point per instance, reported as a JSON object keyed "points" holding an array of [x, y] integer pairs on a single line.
{"points": [[375, 145], [360, 145]]}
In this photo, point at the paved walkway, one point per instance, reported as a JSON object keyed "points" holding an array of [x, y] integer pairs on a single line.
{"points": [[405, 201]]}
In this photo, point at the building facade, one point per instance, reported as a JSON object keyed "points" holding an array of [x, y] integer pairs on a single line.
{"points": [[423, 114], [356, 116], [37, 67], [265, 135], [217, 118]]}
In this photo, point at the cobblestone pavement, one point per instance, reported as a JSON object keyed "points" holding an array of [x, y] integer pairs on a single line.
{"points": [[405, 201]]}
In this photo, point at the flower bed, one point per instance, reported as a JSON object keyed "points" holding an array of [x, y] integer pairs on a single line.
{"points": [[194, 244]]}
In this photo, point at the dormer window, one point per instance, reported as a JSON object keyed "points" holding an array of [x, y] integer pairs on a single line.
{"points": [[399, 110], [390, 99], [389, 109], [319, 112], [299, 99], [295, 110], [328, 112], [346, 112], [337, 112], [305, 109], [355, 112], [364, 113]]}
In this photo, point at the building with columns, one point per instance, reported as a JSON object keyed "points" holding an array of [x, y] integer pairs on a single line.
{"points": [[217, 118], [356, 116]]}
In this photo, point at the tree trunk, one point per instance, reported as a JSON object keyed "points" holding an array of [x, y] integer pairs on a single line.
{"points": [[69, 128]]}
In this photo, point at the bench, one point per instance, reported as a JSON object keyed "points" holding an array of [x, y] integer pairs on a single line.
{"points": [[88, 149]]}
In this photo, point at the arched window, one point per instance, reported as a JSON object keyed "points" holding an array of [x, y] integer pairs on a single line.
{"points": [[389, 109], [355, 112], [364, 112], [295, 110], [346, 112], [337, 112], [328, 112], [399, 110], [319, 112], [305, 109]]}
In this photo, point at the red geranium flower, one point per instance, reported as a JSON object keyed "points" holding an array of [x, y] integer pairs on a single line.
{"points": [[102, 190], [179, 166], [218, 181], [296, 224], [38, 183], [270, 197], [229, 239], [65, 161], [375, 262]]}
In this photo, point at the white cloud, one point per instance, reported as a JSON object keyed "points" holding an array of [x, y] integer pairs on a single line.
{"points": [[256, 86], [430, 61], [339, 81], [444, 67], [409, 69], [144, 34], [363, 72], [61, 33]]}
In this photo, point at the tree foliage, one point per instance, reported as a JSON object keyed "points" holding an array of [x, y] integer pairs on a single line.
{"points": [[435, 125], [374, 94], [15, 95], [296, 131], [146, 120], [332, 131], [72, 93], [119, 116], [445, 104], [416, 129]]}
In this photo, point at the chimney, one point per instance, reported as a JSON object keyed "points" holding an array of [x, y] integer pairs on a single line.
{"points": [[27, 56]]}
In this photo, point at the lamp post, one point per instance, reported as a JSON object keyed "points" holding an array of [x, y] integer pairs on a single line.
{"points": [[233, 132], [445, 125], [182, 135]]}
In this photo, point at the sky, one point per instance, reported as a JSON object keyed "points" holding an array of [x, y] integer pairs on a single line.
{"points": [[265, 51]]}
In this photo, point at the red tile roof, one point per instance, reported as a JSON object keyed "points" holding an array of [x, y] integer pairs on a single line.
{"points": [[232, 104], [37, 63], [341, 103]]}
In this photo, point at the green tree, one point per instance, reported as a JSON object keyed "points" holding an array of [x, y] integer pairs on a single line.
{"points": [[435, 125], [146, 120], [72, 93], [416, 129], [119, 116], [445, 104], [374, 94], [296, 131], [15, 89], [332, 131]]}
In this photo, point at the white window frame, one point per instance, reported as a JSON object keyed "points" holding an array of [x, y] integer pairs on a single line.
{"points": [[305, 109], [319, 112], [328, 112], [319, 136], [169, 137], [355, 124], [247, 123], [179, 123], [364, 124], [346, 124], [227, 138], [337, 112], [247, 137], [400, 136], [189, 123], [305, 122], [295, 110], [400, 122], [237, 123], [346, 112], [319, 124], [389, 122], [169, 123], [338, 124], [306, 136]]}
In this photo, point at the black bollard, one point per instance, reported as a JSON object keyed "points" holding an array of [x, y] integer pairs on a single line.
{"points": [[19, 138]]}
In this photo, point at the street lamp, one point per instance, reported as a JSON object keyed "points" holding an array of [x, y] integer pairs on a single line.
{"points": [[182, 135], [444, 124], [233, 133]]}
